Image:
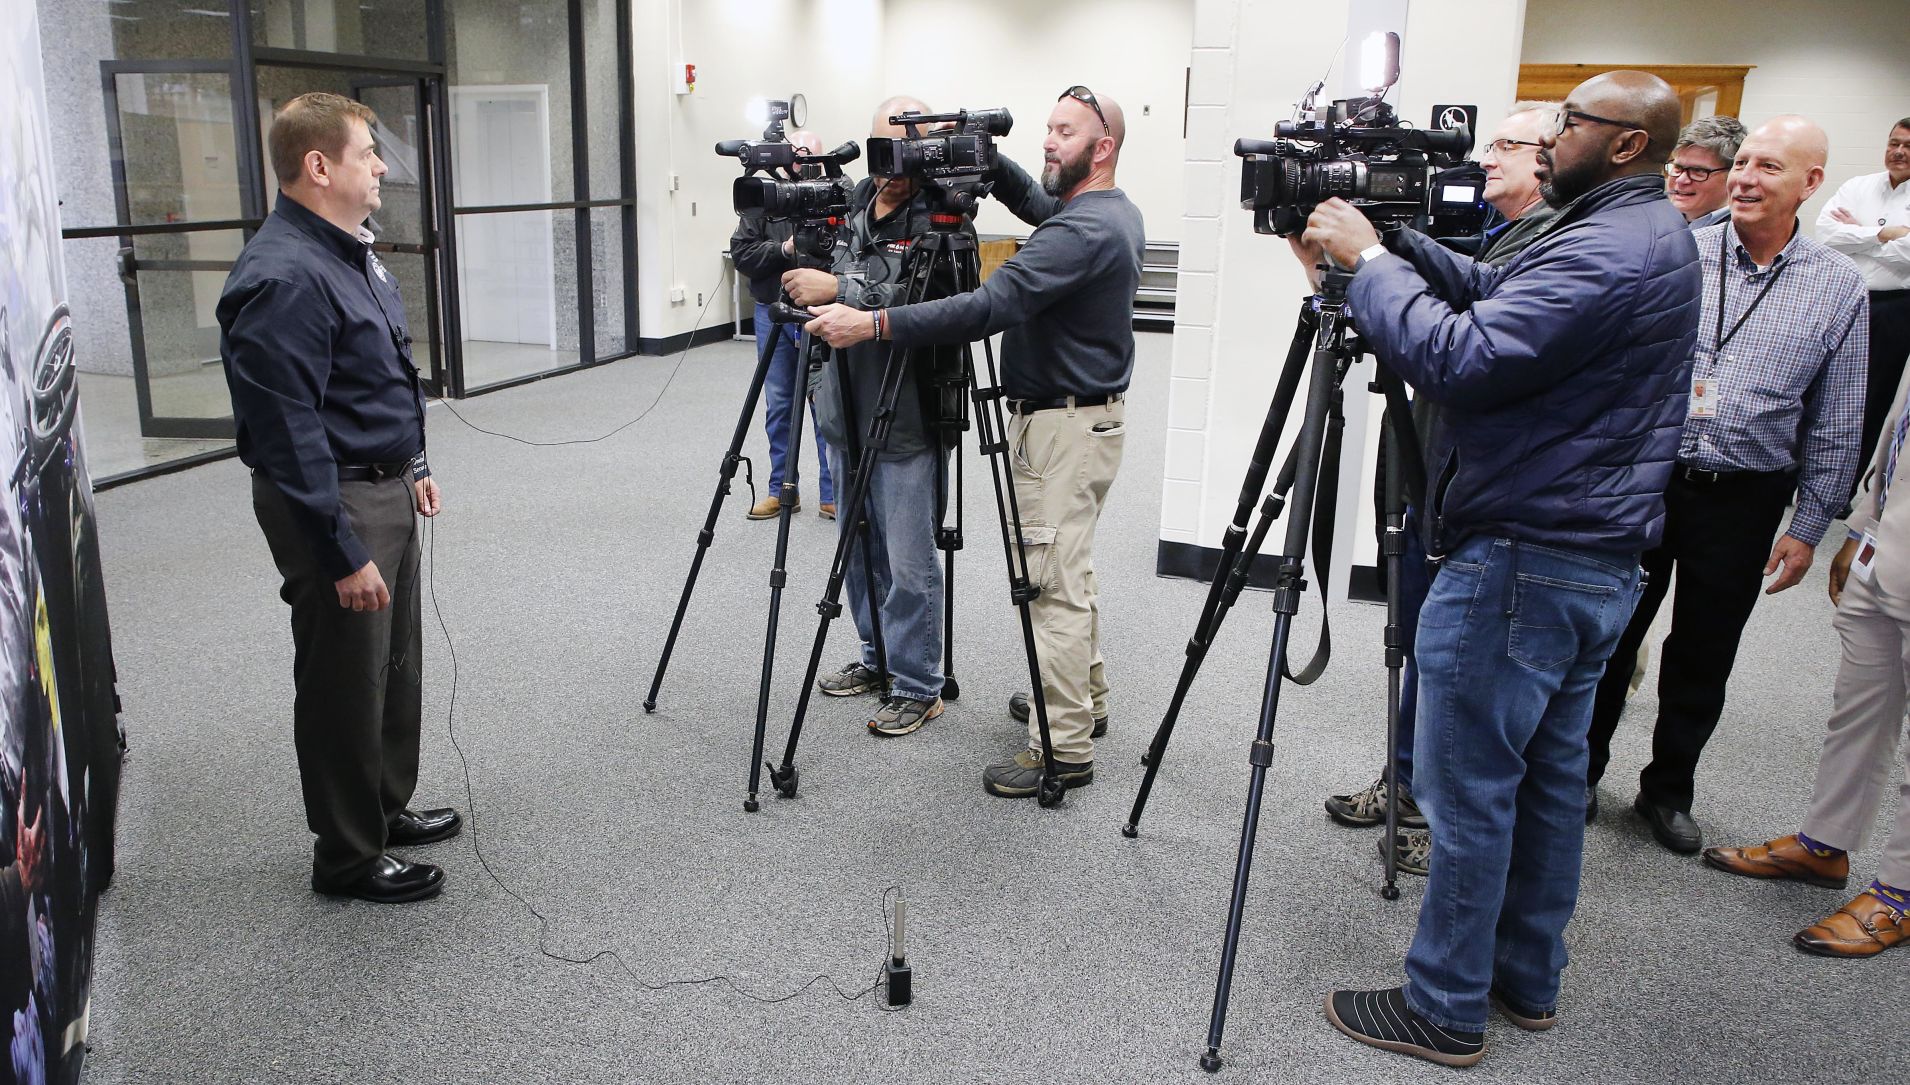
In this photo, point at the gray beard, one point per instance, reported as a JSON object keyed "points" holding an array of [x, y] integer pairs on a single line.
{"points": [[1061, 178]]}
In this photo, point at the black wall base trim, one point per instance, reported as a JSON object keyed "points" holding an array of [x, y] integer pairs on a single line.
{"points": [[1186, 561], [716, 333]]}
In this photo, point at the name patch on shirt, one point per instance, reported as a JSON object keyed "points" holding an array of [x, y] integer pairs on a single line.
{"points": [[378, 267]]}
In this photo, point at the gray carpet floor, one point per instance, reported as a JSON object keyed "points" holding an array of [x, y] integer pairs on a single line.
{"points": [[1047, 947]]}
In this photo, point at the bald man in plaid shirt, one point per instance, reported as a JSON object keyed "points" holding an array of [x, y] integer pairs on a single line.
{"points": [[1776, 411]]}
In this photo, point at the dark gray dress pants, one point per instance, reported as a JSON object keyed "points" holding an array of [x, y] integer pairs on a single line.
{"points": [[356, 713]]}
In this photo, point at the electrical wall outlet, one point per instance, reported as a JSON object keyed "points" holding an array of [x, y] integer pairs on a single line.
{"points": [[699, 299]]}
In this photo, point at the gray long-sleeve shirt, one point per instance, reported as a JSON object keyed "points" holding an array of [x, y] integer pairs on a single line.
{"points": [[1066, 300]]}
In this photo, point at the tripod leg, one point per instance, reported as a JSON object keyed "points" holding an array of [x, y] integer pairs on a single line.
{"points": [[992, 435], [778, 575], [725, 474], [1286, 603], [1394, 544], [948, 540], [1236, 555], [854, 528]]}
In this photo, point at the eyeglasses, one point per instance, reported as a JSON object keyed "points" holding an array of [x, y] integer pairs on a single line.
{"points": [[1563, 118], [1504, 146], [1699, 174], [1086, 97]]}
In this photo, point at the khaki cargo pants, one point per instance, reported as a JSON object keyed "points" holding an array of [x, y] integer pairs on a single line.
{"points": [[1064, 460]]}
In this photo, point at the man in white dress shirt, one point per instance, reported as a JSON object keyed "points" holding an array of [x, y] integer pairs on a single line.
{"points": [[1868, 220]]}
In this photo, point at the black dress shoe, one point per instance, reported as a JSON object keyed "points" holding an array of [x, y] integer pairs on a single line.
{"points": [[389, 881], [1591, 805], [413, 827], [1673, 828]]}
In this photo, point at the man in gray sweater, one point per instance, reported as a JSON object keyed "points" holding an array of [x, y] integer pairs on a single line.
{"points": [[1066, 304]]}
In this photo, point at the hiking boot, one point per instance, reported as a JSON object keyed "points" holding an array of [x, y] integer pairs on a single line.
{"points": [[852, 679], [1020, 708], [1020, 776], [903, 716], [771, 507], [1412, 851], [826, 510], [1365, 808]]}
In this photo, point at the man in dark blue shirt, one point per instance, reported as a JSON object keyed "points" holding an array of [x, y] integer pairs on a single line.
{"points": [[331, 420]]}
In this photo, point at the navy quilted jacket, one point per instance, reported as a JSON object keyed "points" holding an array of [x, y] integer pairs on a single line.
{"points": [[1562, 378]]}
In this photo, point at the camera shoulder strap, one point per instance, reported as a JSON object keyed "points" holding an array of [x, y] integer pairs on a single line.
{"points": [[1324, 505]]}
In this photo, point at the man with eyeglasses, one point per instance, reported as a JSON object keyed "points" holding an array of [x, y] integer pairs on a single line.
{"points": [[1868, 220], [1065, 302], [1775, 409], [1695, 176], [1560, 381]]}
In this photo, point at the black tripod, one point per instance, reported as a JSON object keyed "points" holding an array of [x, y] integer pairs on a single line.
{"points": [[814, 242], [1314, 457], [944, 255]]}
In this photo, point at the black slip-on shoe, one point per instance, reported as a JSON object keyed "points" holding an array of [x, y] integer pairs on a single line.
{"points": [[414, 827], [1382, 1019], [1675, 829], [1528, 1019], [390, 880]]}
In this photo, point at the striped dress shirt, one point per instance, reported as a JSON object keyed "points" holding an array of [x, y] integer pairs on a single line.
{"points": [[1791, 379]]}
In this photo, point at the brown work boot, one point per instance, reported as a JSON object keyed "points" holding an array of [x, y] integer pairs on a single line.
{"points": [[1785, 858], [770, 507], [1863, 928], [826, 510]]}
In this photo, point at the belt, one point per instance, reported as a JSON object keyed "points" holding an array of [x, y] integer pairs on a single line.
{"points": [[1702, 477], [1030, 406], [371, 472]]}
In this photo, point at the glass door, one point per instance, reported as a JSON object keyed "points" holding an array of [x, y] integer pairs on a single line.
{"points": [[179, 198]]}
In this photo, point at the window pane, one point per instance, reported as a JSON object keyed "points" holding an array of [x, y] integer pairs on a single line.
{"points": [[177, 152], [510, 102], [180, 277], [90, 31], [380, 28], [607, 278], [605, 102], [517, 282]]}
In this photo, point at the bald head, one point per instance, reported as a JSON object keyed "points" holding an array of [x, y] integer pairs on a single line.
{"points": [[1637, 98], [1778, 167], [879, 124], [1800, 140], [806, 141], [1619, 124], [1083, 143]]}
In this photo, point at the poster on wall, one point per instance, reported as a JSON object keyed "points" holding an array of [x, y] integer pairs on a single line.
{"points": [[60, 741]]}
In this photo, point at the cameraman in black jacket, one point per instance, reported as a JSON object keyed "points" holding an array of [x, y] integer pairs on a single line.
{"points": [[763, 250], [872, 261]]}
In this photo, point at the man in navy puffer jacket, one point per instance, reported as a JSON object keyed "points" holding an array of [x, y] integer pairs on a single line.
{"points": [[1562, 381]]}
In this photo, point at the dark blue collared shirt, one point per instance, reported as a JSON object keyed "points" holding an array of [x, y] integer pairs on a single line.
{"points": [[318, 359]]}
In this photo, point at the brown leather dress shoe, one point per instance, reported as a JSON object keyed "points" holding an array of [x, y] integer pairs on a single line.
{"points": [[1863, 928], [1785, 858]]}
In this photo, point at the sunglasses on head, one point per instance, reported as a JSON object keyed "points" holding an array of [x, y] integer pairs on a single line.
{"points": [[1086, 97]]}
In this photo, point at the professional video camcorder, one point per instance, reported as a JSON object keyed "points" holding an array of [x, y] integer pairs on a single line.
{"points": [[950, 160], [1395, 174]]}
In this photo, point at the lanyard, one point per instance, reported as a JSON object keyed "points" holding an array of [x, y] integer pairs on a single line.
{"points": [[1725, 270]]}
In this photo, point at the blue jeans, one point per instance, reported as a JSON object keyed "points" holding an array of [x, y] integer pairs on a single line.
{"points": [[1511, 644], [908, 571], [1415, 580], [780, 387]]}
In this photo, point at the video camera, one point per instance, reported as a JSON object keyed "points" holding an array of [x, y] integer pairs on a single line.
{"points": [[1395, 174], [951, 162]]}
